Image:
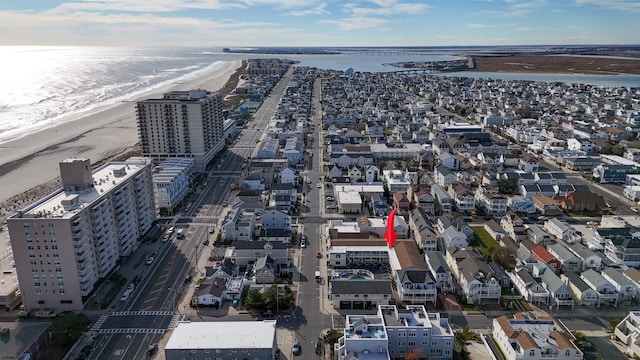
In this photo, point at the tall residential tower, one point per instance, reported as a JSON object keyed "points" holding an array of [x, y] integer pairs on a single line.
{"points": [[187, 124], [65, 242]]}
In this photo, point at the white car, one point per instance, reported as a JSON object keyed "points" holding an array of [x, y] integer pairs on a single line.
{"points": [[319, 185], [303, 244], [635, 210], [150, 260]]}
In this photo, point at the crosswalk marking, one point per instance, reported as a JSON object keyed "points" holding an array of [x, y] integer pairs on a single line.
{"points": [[174, 321], [143, 313], [99, 323], [131, 331]]}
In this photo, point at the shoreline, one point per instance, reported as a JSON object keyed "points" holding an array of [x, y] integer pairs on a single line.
{"points": [[32, 160]]}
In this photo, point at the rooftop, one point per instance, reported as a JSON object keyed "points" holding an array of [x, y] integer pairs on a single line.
{"points": [[223, 335], [65, 204]]}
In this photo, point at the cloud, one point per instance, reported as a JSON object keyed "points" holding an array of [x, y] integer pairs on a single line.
{"points": [[286, 4], [356, 23], [623, 5], [516, 8], [146, 5], [318, 10], [385, 7]]}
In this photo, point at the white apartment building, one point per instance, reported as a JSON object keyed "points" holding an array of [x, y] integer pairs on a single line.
{"points": [[185, 124], [171, 181], [528, 338], [627, 331], [394, 333], [396, 181], [65, 242]]}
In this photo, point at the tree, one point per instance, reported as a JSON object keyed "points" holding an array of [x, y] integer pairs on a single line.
{"points": [[67, 328], [614, 322], [332, 337], [508, 186], [504, 256], [254, 300]]}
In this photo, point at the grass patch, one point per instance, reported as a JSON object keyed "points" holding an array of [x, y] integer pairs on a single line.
{"points": [[483, 241]]}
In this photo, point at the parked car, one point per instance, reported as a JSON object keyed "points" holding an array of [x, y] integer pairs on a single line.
{"points": [[171, 230], [303, 244], [295, 348], [206, 242], [331, 207], [318, 347], [635, 210], [234, 303], [150, 260], [212, 230], [166, 238], [318, 254], [319, 185], [188, 278]]}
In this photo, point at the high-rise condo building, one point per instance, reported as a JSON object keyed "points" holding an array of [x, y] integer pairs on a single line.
{"points": [[186, 124], [65, 242]]}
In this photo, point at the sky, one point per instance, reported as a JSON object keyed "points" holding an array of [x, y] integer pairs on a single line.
{"points": [[251, 23]]}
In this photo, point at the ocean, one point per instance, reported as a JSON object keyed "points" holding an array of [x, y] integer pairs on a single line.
{"points": [[45, 86]]}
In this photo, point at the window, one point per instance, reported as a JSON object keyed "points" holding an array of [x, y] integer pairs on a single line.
{"points": [[532, 353], [411, 343], [567, 353]]}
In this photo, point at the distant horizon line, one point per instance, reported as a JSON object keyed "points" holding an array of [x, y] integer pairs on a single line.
{"points": [[335, 46]]}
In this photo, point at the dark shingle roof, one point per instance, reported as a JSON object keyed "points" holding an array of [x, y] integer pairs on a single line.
{"points": [[368, 287]]}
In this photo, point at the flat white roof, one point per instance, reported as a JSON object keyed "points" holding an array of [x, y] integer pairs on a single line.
{"points": [[349, 198], [104, 181], [223, 335]]}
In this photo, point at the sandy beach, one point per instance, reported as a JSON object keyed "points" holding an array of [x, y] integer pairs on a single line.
{"points": [[32, 160]]}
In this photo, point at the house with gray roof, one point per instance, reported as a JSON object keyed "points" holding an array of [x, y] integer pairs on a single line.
{"points": [[581, 291], [359, 294], [568, 260], [422, 230], [559, 291], [451, 237], [265, 270], [529, 287], [590, 259], [416, 286], [439, 270], [626, 288], [607, 293]]}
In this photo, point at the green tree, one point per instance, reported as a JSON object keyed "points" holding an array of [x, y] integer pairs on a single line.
{"points": [[504, 257], [67, 328], [614, 322], [332, 337], [508, 186], [254, 300]]}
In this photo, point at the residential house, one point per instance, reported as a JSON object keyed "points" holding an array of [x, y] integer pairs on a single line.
{"points": [[415, 286], [371, 174], [449, 161], [401, 203], [607, 293], [533, 291], [494, 229], [288, 176], [589, 259], [561, 230], [395, 181], [355, 173], [529, 338], [547, 205], [633, 274], [622, 245], [334, 172], [211, 292], [244, 252], [581, 291], [568, 260], [444, 202], [528, 164], [443, 176], [287, 191], [424, 200], [265, 270], [359, 295], [255, 182], [451, 237], [559, 291], [627, 288], [478, 281], [513, 225], [541, 254], [439, 270], [422, 230], [537, 235], [464, 200], [491, 200], [274, 219]]}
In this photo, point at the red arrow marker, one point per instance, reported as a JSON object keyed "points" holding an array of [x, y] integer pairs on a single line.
{"points": [[391, 235]]}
